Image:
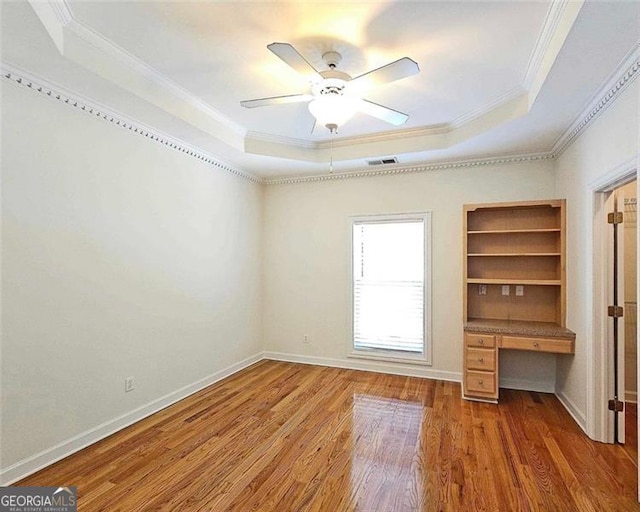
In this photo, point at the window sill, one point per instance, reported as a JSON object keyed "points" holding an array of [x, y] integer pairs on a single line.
{"points": [[389, 357]]}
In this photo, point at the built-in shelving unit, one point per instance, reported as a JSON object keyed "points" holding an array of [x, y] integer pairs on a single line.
{"points": [[514, 286]]}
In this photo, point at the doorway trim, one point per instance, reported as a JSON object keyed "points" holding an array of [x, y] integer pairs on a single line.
{"points": [[599, 374]]}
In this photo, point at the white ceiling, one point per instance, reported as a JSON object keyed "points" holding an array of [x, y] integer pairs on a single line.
{"points": [[496, 77]]}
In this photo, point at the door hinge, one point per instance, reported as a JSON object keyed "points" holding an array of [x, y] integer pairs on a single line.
{"points": [[615, 311], [615, 218], [616, 405]]}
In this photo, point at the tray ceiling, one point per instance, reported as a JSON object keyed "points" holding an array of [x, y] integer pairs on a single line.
{"points": [[495, 77]]}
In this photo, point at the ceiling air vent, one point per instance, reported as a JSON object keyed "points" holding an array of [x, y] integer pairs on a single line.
{"points": [[383, 161]]}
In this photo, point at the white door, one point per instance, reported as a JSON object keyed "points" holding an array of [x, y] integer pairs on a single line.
{"points": [[615, 325]]}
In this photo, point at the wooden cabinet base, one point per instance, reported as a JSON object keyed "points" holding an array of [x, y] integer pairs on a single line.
{"points": [[554, 345], [481, 384], [480, 367], [481, 376]]}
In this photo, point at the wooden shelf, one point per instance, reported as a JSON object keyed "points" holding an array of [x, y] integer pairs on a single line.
{"points": [[514, 254], [517, 245], [525, 282], [513, 231]]}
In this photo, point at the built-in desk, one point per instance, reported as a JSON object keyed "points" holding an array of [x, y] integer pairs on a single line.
{"points": [[513, 267], [483, 339]]}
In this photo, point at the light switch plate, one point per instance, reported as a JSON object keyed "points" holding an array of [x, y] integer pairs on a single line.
{"points": [[505, 289]]}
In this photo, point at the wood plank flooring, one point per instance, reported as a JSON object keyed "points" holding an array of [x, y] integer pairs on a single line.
{"points": [[289, 437]]}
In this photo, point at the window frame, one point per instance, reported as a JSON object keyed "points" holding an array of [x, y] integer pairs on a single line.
{"points": [[397, 356]]}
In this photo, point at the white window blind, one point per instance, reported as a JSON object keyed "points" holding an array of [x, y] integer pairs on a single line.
{"points": [[389, 285]]}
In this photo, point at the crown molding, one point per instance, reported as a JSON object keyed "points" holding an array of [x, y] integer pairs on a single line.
{"points": [[345, 142], [61, 9], [620, 79], [439, 166], [281, 139], [60, 12], [623, 76], [389, 136], [617, 82], [404, 141], [20, 77], [549, 27], [489, 106], [558, 22], [107, 46], [424, 131], [88, 48], [54, 16], [91, 50]]}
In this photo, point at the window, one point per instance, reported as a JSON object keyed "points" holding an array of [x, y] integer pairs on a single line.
{"points": [[391, 286]]}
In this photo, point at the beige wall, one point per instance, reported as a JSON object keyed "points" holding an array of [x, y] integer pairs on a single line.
{"points": [[306, 261], [120, 258], [608, 143]]}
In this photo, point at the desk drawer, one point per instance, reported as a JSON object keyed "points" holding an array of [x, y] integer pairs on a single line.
{"points": [[480, 340], [481, 359], [556, 345], [480, 383]]}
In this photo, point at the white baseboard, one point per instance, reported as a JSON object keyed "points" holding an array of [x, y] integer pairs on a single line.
{"points": [[579, 416], [51, 455], [47, 457], [367, 365], [527, 385]]}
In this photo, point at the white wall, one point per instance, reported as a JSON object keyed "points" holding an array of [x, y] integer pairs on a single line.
{"points": [[306, 265], [609, 142], [120, 258]]}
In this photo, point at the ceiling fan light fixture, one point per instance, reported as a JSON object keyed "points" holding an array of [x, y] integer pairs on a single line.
{"points": [[332, 109], [328, 102]]}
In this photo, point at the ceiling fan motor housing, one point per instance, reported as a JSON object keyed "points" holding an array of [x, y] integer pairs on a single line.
{"points": [[332, 59]]}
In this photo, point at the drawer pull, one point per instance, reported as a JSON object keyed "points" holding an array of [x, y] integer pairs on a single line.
{"points": [[481, 383], [481, 360], [481, 341], [536, 344]]}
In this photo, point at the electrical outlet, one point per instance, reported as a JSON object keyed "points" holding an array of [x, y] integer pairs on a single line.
{"points": [[505, 289], [305, 338], [482, 289], [519, 290], [128, 384]]}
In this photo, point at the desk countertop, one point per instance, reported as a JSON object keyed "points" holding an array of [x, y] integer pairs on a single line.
{"points": [[518, 328]]}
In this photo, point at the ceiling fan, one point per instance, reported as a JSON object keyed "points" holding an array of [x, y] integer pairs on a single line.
{"points": [[335, 95]]}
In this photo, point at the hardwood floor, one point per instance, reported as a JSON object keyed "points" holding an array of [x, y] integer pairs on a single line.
{"points": [[289, 437]]}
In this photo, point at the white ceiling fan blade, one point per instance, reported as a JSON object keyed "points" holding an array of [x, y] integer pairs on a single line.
{"points": [[292, 57], [387, 114], [396, 70], [276, 100]]}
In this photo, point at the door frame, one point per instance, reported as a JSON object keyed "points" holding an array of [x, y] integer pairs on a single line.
{"points": [[599, 369]]}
